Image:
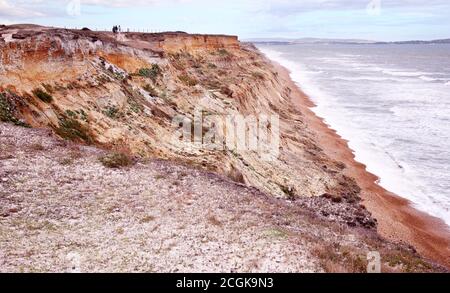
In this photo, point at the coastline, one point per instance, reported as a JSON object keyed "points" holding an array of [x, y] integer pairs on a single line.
{"points": [[398, 220]]}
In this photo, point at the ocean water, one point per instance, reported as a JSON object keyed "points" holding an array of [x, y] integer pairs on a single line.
{"points": [[392, 103]]}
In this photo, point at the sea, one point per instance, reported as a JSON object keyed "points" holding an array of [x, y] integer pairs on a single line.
{"points": [[391, 102]]}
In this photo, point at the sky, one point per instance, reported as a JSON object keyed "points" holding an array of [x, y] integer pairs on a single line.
{"points": [[382, 20]]}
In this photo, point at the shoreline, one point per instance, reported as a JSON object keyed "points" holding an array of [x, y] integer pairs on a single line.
{"points": [[397, 219]]}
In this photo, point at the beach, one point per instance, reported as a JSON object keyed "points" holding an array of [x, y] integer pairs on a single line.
{"points": [[397, 219]]}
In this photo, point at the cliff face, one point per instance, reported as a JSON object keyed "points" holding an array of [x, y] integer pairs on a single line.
{"points": [[129, 93], [125, 91]]}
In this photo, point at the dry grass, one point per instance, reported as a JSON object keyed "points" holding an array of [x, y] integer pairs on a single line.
{"points": [[116, 160]]}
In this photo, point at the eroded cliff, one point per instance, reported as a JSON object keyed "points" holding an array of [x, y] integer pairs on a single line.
{"points": [[124, 92]]}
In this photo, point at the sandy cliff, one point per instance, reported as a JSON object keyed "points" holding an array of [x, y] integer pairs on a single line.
{"points": [[123, 92]]}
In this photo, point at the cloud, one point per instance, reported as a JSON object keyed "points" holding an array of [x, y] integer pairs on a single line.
{"points": [[24, 9], [17, 10], [291, 7]]}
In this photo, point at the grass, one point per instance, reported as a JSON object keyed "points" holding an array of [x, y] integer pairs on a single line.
{"points": [[147, 219], [66, 161], [7, 112], [152, 72], [135, 106], [276, 233], [187, 80], [336, 259], [408, 261], [83, 115], [42, 95], [71, 114], [116, 160], [37, 147], [223, 52], [112, 112], [71, 129]]}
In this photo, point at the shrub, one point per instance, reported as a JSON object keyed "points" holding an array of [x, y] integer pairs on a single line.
{"points": [[42, 95], [223, 52], [116, 160], [71, 114], [71, 129], [37, 147], [152, 72], [187, 80], [112, 112], [7, 112]]}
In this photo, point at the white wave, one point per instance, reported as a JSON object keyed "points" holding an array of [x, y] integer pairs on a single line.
{"points": [[366, 78], [426, 78], [395, 175], [406, 73]]}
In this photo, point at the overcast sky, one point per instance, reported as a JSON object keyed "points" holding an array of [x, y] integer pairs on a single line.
{"points": [[363, 19]]}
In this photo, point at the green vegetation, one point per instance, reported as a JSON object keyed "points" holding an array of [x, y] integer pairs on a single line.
{"points": [[66, 161], [408, 261], [135, 106], [276, 233], [42, 95], [71, 129], [335, 258], [7, 112], [152, 72], [116, 160], [83, 115], [77, 114], [71, 114], [223, 52], [112, 112], [187, 80]]}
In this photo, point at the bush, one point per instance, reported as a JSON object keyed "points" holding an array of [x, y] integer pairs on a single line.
{"points": [[223, 52], [112, 112], [7, 112], [71, 129], [187, 80], [116, 160], [152, 72], [43, 96]]}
